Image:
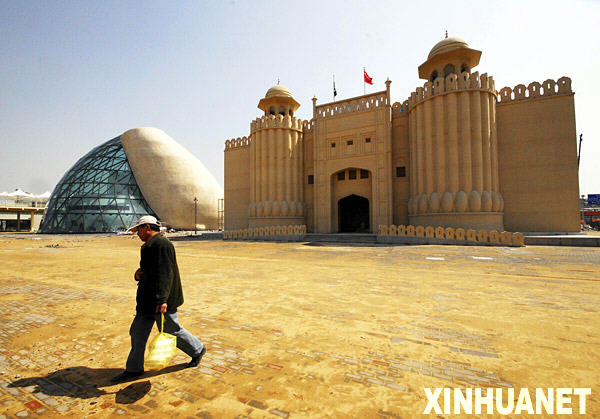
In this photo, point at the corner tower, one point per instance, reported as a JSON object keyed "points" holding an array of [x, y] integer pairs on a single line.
{"points": [[453, 142], [276, 162]]}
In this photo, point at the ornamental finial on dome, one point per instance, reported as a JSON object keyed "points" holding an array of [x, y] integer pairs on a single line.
{"points": [[446, 33]]}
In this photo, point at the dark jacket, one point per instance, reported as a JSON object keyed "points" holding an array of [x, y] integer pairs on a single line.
{"points": [[160, 282]]}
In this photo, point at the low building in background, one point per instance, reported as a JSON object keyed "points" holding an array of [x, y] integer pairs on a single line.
{"points": [[143, 171], [457, 153], [21, 211]]}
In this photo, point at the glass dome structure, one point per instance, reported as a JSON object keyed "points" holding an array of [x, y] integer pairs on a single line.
{"points": [[98, 194]]}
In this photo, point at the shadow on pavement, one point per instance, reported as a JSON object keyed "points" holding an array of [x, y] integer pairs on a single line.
{"points": [[84, 383], [133, 392]]}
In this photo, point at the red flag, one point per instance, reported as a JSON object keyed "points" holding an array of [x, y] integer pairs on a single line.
{"points": [[368, 79]]}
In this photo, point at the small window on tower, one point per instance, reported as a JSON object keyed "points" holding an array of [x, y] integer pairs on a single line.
{"points": [[341, 175], [449, 69], [311, 179], [332, 145], [401, 171], [368, 140], [364, 174], [349, 142], [351, 174]]}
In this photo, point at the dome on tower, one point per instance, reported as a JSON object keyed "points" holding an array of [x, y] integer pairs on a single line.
{"points": [[447, 44], [450, 51], [278, 100], [278, 90]]}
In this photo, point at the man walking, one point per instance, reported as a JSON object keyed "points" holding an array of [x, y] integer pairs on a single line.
{"points": [[159, 291]]}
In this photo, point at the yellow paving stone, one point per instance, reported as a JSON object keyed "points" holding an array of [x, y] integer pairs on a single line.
{"points": [[295, 329]]}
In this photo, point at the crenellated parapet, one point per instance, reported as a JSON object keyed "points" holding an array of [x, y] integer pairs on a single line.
{"points": [[276, 121], [358, 104], [237, 143], [452, 83], [535, 90], [308, 126], [400, 108]]}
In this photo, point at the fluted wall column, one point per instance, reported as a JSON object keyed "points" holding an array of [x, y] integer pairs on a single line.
{"points": [[497, 200], [295, 166], [452, 168], [271, 165], [420, 153], [288, 167], [252, 168], [439, 145], [494, 144], [261, 164], [301, 171], [464, 142], [280, 139], [428, 125], [486, 196], [412, 140], [485, 136], [477, 156]]}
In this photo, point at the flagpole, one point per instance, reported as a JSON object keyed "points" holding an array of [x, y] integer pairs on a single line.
{"points": [[334, 87], [364, 85]]}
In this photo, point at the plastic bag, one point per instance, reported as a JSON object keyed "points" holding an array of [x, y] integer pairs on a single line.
{"points": [[161, 350]]}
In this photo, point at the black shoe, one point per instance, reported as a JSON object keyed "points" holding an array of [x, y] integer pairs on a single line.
{"points": [[125, 376], [196, 359]]}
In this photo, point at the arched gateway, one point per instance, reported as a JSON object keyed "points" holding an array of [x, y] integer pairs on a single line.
{"points": [[353, 214]]}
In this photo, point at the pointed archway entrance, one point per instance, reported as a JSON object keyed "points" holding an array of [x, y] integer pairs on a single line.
{"points": [[353, 214]]}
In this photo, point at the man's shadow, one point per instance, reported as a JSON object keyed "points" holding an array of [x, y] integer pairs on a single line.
{"points": [[86, 383]]}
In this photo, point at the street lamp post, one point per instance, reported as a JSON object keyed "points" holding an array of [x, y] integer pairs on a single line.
{"points": [[195, 216]]}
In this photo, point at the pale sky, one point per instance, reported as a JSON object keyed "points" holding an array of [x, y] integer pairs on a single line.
{"points": [[74, 74]]}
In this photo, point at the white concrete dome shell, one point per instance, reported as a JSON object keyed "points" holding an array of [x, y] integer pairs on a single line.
{"points": [[170, 177]]}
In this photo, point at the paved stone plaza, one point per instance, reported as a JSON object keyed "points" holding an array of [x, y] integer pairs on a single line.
{"points": [[293, 329]]}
